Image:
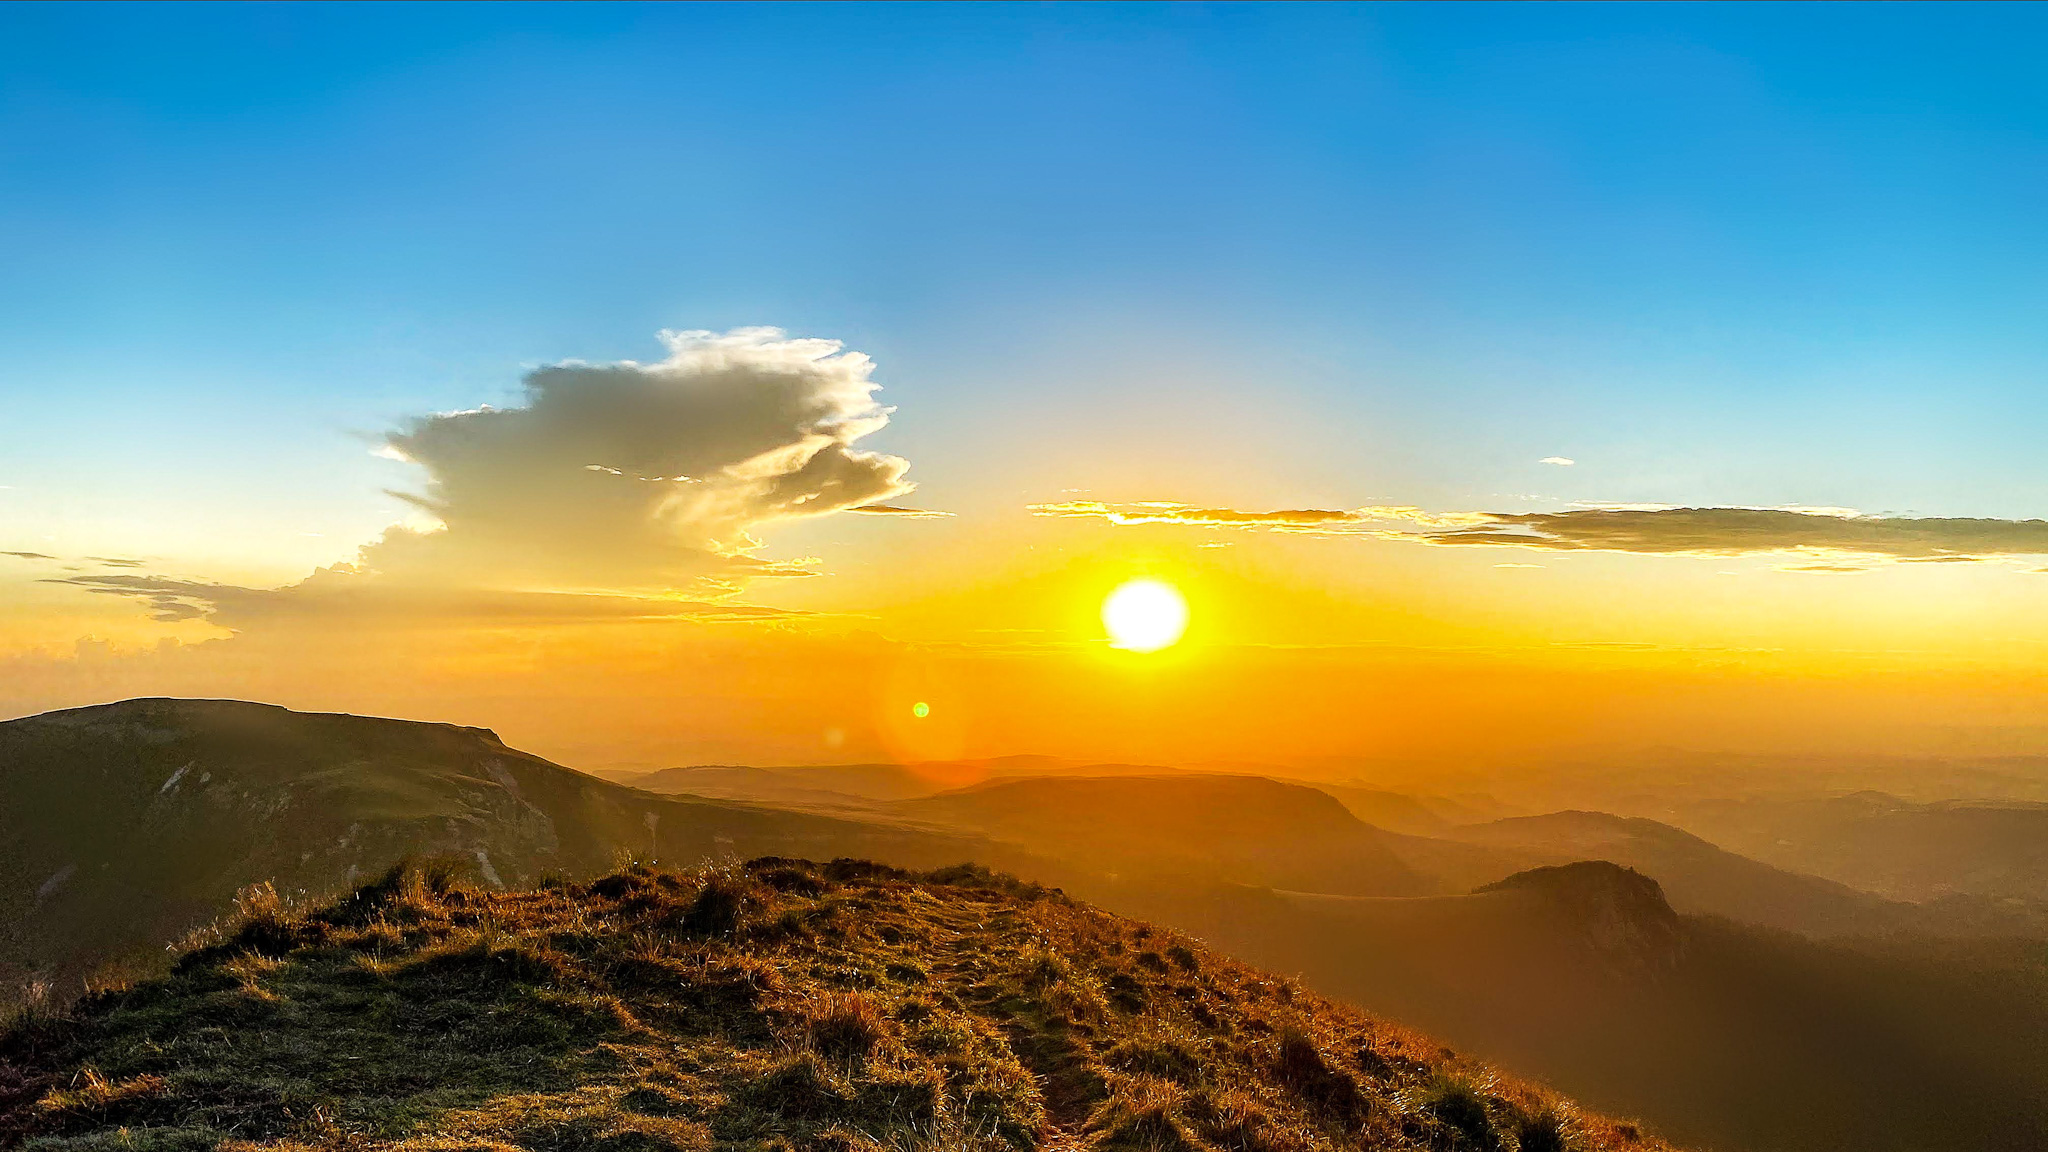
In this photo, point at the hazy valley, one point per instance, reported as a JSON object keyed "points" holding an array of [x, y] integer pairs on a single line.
{"points": [[1728, 1002]]}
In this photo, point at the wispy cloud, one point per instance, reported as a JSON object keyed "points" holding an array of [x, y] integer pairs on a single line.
{"points": [[1734, 531], [29, 555], [334, 597], [897, 510], [1560, 461], [1645, 529], [1376, 519]]}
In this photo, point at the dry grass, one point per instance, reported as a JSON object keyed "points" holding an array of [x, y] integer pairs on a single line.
{"points": [[773, 1007]]}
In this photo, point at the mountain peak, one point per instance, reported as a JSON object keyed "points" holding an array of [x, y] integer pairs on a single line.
{"points": [[1621, 913]]}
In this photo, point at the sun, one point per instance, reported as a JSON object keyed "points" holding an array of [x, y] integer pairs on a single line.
{"points": [[1144, 615]]}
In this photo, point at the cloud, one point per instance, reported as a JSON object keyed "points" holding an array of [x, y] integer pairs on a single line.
{"points": [[1644, 529], [644, 476], [1735, 531], [896, 510], [29, 555], [115, 561], [336, 596], [1558, 460], [615, 489], [1376, 520]]}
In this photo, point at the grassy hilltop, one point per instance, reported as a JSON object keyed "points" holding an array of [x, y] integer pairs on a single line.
{"points": [[124, 826], [779, 1005]]}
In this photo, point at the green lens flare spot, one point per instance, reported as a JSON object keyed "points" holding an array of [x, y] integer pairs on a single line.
{"points": [[920, 709]]}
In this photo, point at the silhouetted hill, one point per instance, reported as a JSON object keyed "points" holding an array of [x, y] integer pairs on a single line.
{"points": [[1696, 876], [124, 825], [781, 1005], [1618, 913], [789, 786], [1248, 829], [1725, 1035], [841, 784], [1396, 811]]}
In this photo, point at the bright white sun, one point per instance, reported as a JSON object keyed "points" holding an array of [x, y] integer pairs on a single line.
{"points": [[1144, 615]]}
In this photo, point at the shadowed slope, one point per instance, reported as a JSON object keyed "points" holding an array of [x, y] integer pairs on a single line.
{"points": [[841, 784], [1989, 849], [124, 825], [1730, 1036], [1697, 876], [778, 1006]]}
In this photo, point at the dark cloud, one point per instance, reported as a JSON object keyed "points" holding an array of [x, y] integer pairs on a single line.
{"points": [[29, 555], [115, 561], [1651, 530]]}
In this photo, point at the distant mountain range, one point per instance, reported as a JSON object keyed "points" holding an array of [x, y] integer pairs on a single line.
{"points": [[1137, 818], [1992, 850], [1629, 962]]}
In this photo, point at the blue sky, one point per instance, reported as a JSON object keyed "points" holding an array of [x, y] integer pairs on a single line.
{"points": [[1261, 254]]}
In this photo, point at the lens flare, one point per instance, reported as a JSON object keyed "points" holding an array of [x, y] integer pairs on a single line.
{"points": [[1144, 615]]}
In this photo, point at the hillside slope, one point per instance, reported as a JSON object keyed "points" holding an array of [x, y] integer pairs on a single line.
{"points": [[125, 825], [777, 1006], [1697, 876], [1724, 1035], [1990, 849], [857, 783], [1246, 829]]}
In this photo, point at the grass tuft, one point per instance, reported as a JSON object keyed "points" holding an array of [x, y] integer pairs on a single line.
{"points": [[1462, 1110], [1327, 1089], [846, 1026], [1544, 1132]]}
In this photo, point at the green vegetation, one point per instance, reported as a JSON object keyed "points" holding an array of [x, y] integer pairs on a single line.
{"points": [[780, 1005]]}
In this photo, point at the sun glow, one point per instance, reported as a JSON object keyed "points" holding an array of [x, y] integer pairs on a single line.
{"points": [[1144, 615]]}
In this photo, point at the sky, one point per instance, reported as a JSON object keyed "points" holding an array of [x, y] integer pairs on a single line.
{"points": [[1489, 379]]}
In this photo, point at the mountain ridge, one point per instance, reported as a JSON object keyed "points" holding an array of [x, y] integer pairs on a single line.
{"points": [[776, 1005], [129, 823]]}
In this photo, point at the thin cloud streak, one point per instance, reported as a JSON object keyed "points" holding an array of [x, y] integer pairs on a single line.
{"points": [[350, 603], [1639, 529]]}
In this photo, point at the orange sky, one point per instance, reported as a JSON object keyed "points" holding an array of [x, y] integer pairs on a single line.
{"points": [[1298, 648], [700, 558]]}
